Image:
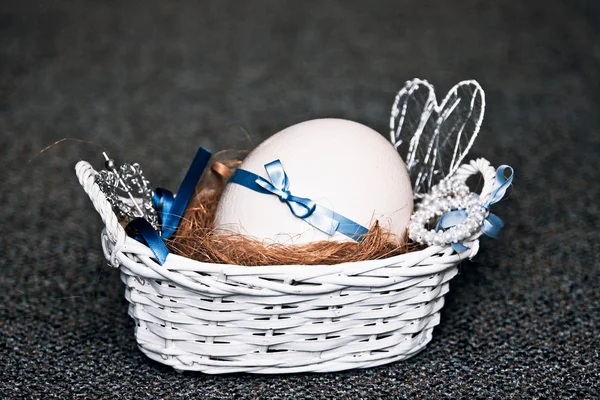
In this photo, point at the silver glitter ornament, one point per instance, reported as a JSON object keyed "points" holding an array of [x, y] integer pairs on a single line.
{"points": [[128, 191]]}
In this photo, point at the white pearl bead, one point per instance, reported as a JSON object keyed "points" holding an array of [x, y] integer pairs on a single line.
{"points": [[448, 237]]}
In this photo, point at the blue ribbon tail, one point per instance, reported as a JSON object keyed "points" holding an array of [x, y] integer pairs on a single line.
{"points": [[323, 220], [163, 201], [492, 226], [349, 228], [140, 227], [173, 207], [459, 247], [501, 185]]}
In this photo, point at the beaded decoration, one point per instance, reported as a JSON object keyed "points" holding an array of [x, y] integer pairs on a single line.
{"points": [[449, 194]]}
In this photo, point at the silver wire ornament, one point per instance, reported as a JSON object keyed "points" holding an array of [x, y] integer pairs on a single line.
{"points": [[128, 191], [434, 138]]}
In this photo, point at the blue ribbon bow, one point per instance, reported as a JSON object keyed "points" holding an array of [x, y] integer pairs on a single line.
{"points": [[493, 224], [170, 209], [321, 218], [300, 207]]}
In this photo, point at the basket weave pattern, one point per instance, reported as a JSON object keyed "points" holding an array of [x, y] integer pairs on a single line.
{"points": [[218, 318]]}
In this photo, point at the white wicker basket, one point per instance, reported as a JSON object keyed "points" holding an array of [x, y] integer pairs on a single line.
{"points": [[219, 318]]}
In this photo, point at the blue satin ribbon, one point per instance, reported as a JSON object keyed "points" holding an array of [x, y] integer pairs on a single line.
{"points": [[321, 218], [493, 224], [170, 208], [141, 230]]}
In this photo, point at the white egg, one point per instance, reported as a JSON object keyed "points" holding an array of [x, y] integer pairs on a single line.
{"points": [[341, 165]]}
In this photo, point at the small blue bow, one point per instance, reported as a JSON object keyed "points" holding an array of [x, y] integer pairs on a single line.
{"points": [[314, 214], [170, 209], [300, 207], [493, 224]]}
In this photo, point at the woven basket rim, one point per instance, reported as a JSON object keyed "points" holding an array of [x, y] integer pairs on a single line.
{"points": [[424, 253]]}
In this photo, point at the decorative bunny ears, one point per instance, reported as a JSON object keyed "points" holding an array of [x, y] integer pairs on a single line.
{"points": [[434, 138]]}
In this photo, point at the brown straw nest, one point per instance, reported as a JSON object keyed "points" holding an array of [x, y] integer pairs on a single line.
{"points": [[196, 238]]}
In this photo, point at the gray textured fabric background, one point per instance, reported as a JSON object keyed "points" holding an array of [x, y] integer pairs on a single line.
{"points": [[152, 81]]}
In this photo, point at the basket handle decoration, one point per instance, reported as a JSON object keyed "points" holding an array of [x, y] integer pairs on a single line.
{"points": [[462, 216], [163, 208], [434, 137]]}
